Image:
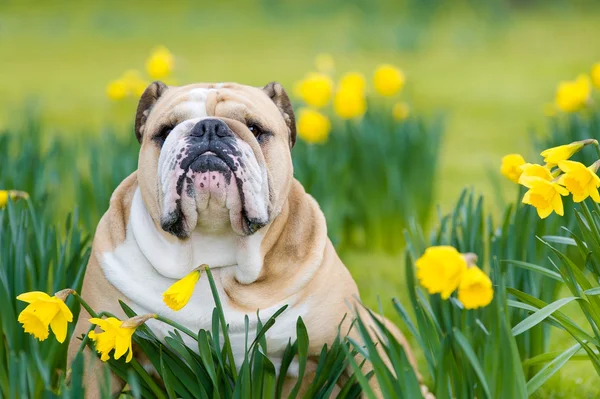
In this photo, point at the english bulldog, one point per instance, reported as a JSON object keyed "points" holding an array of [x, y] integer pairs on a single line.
{"points": [[215, 186]]}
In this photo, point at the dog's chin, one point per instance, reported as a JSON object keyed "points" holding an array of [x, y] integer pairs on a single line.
{"points": [[210, 202]]}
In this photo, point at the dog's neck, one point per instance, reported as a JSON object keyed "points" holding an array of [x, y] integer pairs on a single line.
{"points": [[175, 258]]}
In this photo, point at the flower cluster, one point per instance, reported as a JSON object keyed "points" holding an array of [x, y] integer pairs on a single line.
{"points": [[558, 177], [44, 313], [443, 270], [574, 95], [348, 96], [159, 65]]}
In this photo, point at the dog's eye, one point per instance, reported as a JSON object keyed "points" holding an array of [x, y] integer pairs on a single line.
{"points": [[162, 134], [258, 132]]}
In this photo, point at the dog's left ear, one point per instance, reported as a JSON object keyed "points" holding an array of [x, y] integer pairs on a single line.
{"points": [[147, 101], [276, 93]]}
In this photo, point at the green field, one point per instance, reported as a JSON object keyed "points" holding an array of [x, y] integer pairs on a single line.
{"points": [[489, 74]]}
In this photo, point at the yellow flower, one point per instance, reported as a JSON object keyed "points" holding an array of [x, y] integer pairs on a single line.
{"points": [[440, 270], [596, 74], [117, 335], [400, 111], [349, 103], [571, 96], [353, 81], [43, 311], [134, 83], [582, 182], [532, 169], [511, 166], [544, 195], [388, 80], [12, 194], [117, 89], [475, 289], [179, 294], [324, 63], [563, 152], [315, 89], [160, 63], [313, 126]]}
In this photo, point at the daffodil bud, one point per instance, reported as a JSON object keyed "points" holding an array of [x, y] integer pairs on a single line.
{"points": [[63, 294], [137, 321], [470, 258]]}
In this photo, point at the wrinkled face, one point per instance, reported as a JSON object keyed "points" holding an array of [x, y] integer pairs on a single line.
{"points": [[214, 157]]}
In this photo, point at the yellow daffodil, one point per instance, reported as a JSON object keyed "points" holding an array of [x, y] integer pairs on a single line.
{"points": [[313, 126], [511, 166], [160, 63], [315, 89], [349, 103], [179, 294], [571, 96], [596, 74], [532, 169], [400, 111], [45, 311], [12, 194], [582, 182], [440, 270], [117, 335], [554, 155], [353, 81], [324, 63], [544, 195], [134, 82], [475, 289], [388, 80], [117, 89]]}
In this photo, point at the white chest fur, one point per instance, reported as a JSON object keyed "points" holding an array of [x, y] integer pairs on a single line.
{"points": [[146, 264]]}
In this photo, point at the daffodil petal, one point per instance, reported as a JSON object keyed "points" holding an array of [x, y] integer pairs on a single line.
{"points": [[34, 296], [594, 194], [64, 309], [59, 327], [543, 213]]}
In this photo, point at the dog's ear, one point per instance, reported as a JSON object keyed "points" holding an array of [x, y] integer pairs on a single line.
{"points": [[147, 101], [276, 93]]}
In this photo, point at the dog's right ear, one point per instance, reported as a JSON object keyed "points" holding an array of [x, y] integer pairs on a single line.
{"points": [[147, 101]]}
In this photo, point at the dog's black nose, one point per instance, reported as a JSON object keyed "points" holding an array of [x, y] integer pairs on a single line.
{"points": [[211, 129]]}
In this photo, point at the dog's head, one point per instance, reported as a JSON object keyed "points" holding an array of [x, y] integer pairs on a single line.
{"points": [[214, 156]]}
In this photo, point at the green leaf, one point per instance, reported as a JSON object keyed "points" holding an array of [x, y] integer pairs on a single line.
{"points": [[540, 315], [472, 357], [538, 269], [550, 369]]}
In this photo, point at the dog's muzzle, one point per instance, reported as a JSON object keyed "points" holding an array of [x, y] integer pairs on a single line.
{"points": [[210, 163]]}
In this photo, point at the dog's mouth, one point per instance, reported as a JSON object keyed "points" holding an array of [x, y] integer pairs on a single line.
{"points": [[207, 176]]}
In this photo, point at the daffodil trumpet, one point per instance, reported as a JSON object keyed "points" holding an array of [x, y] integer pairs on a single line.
{"points": [[180, 292]]}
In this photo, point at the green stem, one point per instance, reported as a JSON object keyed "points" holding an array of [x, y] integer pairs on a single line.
{"points": [[227, 343], [144, 374], [597, 147], [177, 326], [85, 305]]}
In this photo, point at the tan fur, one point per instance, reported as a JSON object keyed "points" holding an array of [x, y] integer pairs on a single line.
{"points": [[299, 259]]}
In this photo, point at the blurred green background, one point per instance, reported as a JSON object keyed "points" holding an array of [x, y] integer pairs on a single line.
{"points": [[489, 66]]}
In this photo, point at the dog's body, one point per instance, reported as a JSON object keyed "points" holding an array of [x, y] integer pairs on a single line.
{"points": [[218, 189]]}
